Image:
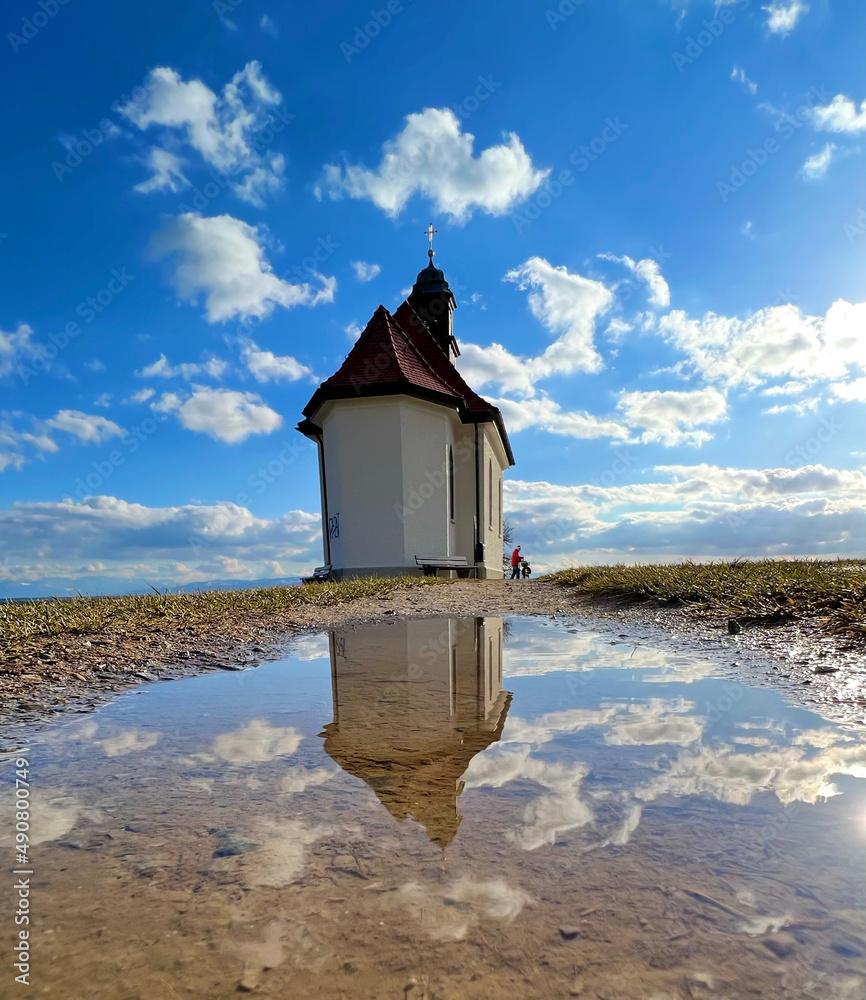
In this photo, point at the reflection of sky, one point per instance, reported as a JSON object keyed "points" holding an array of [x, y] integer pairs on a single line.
{"points": [[554, 648], [597, 734], [690, 734]]}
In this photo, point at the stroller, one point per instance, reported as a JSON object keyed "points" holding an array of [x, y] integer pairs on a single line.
{"points": [[525, 569]]}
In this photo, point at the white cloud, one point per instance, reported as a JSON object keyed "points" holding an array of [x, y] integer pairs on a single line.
{"points": [[222, 129], [690, 511], [365, 272], [262, 181], [568, 305], [265, 366], [221, 259], [142, 396], [786, 389], [817, 166], [649, 271], [799, 409], [782, 17], [95, 366], [223, 414], [213, 367], [103, 400], [772, 343], [739, 75], [495, 365], [840, 115], [268, 26], [670, 418], [748, 230], [132, 543], [544, 413], [854, 391], [433, 157], [19, 446], [167, 172], [86, 427], [353, 331], [16, 346]]}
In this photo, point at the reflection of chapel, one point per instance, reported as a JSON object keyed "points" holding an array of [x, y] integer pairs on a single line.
{"points": [[413, 704], [410, 457]]}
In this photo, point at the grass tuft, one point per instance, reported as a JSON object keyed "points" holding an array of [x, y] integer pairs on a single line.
{"points": [[764, 591], [20, 622]]}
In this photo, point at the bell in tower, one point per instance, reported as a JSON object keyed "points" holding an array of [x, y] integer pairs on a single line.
{"points": [[434, 303]]}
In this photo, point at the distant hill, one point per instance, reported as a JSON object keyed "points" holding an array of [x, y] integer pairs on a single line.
{"points": [[105, 586]]}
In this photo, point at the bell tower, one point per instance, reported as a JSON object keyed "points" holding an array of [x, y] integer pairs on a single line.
{"points": [[433, 301]]}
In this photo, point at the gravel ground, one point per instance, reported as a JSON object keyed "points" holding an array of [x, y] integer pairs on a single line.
{"points": [[77, 673]]}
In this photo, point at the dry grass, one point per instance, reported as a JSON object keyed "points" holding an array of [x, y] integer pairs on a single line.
{"points": [[765, 591], [89, 615]]}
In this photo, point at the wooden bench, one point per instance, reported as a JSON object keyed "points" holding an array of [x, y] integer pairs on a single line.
{"points": [[321, 574], [432, 564]]}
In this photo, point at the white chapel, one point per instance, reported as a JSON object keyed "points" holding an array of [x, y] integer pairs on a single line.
{"points": [[410, 457]]}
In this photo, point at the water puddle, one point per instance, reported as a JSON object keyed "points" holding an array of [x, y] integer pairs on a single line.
{"points": [[435, 809]]}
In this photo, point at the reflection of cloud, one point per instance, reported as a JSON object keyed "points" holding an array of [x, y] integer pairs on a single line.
{"points": [[719, 772], [548, 816], [627, 827], [309, 647], [535, 652], [548, 727], [256, 741], [761, 758], [651, 726], [447, 916], [653, 722], [53, 814], [299, 779], [283, 851], [538, 650], [128, 741], [821, 738]]}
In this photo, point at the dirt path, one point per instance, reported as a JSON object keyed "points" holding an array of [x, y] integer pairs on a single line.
{"points": [[79, 672]]}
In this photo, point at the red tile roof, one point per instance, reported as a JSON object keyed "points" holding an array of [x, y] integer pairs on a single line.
{"points": [[398, 355]]}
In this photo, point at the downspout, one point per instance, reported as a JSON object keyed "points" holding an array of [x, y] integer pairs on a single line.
{"points": [[479, 545], [326, 528]]}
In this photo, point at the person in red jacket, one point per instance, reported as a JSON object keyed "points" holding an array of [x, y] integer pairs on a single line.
{"points": [[515, 564]]}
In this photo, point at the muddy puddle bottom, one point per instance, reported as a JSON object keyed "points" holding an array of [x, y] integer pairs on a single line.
{"points": [[437, 809]]}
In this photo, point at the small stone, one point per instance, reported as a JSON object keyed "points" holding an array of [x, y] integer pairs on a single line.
{"points": [[249, 982], [229, 844], [569, 933], [781, 945], [826, 668], [577, 987], [734, 627], [848, 949]]}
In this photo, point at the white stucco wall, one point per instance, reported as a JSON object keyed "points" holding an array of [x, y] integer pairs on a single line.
{"points": [[386, 469]]}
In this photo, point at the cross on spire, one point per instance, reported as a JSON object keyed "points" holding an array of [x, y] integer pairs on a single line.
{"points": [[430, 232]]}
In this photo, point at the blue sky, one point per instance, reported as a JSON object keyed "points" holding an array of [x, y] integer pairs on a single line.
{"points": [[651, 213]]}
